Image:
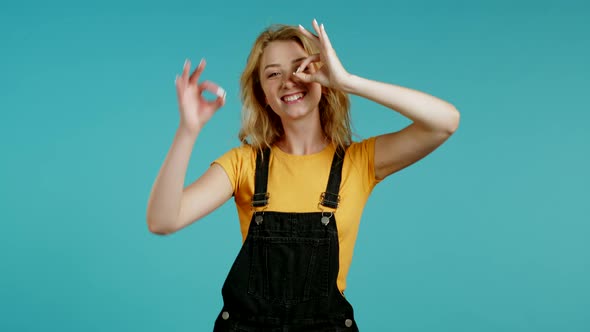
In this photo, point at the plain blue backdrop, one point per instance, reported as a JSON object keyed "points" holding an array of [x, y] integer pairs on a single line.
{"points": [[489, 233]]}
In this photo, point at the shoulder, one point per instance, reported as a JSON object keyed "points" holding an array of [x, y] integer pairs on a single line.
{"points": [[236, 162], [360, 157], [363, 149], [238, 154]]}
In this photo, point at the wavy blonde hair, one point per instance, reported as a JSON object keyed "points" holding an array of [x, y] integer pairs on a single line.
{"points": [[261, 127]]}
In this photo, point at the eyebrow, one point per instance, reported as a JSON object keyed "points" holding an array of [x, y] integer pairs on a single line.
{"points": [[277, 65]]}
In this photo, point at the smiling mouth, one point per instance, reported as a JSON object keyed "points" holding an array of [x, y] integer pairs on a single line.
{"points": [[293, 98]]}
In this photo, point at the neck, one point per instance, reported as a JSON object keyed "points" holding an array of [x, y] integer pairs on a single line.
{"points": [[302, 138]]}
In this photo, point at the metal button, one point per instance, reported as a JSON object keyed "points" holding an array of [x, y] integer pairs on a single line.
{"points": [[225, 315], [258, 220], [348, 322]]}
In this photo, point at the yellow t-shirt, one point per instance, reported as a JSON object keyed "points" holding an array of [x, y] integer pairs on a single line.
{"points": [[296, 182]]}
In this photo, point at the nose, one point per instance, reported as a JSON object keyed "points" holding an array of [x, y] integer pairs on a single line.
{"points": [[288, 80]]}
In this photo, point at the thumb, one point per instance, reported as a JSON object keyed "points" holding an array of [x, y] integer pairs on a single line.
{"points": [[306, 78], [220, 101], [217, 90]]}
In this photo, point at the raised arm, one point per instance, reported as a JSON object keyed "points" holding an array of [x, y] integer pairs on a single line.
{"points": [[170, 206], [434, 120]]}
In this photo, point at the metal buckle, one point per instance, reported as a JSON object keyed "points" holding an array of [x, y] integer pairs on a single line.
{"points": [[265, 200], [323, 200]]}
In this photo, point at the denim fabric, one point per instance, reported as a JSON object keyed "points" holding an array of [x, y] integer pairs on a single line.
{"points": [[284, 277]]}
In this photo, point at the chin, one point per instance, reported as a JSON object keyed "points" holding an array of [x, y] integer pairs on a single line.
{"points": [[297, 114]]}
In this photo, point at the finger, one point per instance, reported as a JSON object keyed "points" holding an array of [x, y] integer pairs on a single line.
{"points": [[178, 84], [304, 77], [325, 38], [219, 102], [316, 27], [215, 89], [309, 35], [197, 73], [307, 61], [185, 70], [178, 81]]}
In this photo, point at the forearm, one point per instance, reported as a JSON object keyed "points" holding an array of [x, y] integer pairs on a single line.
{"points": [[428, 111], [166, 195]]}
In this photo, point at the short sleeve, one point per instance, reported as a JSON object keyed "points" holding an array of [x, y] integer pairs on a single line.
{"points": [[235, 163], [362, 155]]}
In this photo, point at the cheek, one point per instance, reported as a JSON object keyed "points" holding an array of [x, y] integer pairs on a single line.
{"points": [[317, 89], [267, 90], [265, 93]]}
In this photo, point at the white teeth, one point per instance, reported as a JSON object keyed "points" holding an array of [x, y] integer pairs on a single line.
{"points": [[293, 97]]}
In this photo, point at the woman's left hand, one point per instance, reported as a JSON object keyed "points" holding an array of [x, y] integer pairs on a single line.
{"points": [[331, 73]]}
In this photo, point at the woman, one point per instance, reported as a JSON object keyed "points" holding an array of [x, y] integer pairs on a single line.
{"points": [[296, 174]]}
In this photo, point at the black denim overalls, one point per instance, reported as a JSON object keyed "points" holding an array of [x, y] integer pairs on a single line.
{"points": [[284, 277]]}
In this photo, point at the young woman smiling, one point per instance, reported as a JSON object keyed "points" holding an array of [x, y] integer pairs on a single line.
{"points": [[298, 180]]}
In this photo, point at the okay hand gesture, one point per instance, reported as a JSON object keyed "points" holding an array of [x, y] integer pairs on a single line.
{"points": [[331, 73], [194, 109]]}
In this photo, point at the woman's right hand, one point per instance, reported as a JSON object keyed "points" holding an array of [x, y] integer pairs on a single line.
{"points": [[194, 109]]}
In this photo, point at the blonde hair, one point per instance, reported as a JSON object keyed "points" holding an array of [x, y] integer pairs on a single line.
{"points": [[261, 127]]}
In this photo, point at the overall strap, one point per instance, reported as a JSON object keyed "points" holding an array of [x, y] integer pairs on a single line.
{"points": [[330, 197], [260, 197]]}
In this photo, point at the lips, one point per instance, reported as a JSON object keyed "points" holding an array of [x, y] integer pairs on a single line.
{"points": [[293, 98]]}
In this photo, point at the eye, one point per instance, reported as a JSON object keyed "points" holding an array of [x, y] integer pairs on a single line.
{"points": [[272, 74]]}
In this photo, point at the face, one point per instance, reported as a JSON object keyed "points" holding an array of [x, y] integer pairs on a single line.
{"points": [[289, 98]]}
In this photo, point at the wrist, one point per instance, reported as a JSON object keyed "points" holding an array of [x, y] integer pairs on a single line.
{"points": [[351, 83], [183, 132]]}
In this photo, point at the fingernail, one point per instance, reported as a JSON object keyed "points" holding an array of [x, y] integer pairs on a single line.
{"points": [[201, 62], [176, 78], [220, 92], [301, 26]]}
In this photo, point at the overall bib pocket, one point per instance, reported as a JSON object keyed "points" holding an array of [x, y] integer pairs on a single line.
{"points": [[289, 270]]}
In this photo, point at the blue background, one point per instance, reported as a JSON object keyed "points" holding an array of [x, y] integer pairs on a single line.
{"points": [[489, 233]]}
